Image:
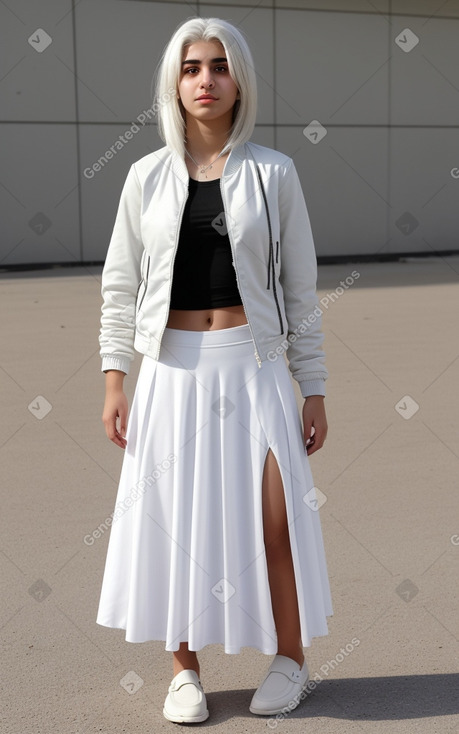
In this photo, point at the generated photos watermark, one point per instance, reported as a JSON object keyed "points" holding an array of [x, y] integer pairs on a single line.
{"points": [[122, 140], [304, 325], [314, 681], [135, 493]]}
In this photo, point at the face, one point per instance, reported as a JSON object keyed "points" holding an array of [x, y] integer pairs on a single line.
{"points": [[206, 88]]}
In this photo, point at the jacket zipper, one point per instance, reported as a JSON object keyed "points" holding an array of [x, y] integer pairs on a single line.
{"points": [[257, 356], [271, 268], [141, 278], [145, 282], [171, 269]]}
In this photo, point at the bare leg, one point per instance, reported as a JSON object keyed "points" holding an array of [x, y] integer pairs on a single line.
{"points": [[185, 659], [280, 573], [280, 564]]}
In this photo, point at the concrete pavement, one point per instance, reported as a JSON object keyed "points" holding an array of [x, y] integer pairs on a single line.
{"points": [[389, 472]]}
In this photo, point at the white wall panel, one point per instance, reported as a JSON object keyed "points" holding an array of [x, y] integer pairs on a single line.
{"points": [[39, 194], [119, 45], [36, 79], [362, 6], [345, 182], [424, 79], [101, 189], [331, 67], [378, 182], [423, 213]]}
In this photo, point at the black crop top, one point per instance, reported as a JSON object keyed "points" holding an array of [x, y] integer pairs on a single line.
{"points": [[204, 275]]}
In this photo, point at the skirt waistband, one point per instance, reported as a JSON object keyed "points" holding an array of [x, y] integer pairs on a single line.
{"points": [[210, 338]]}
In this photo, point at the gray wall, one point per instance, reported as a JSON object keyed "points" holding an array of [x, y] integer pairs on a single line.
{"points": [[383, 179]]}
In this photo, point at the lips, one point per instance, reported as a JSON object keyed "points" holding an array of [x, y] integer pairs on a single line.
{"points": [[206, 96]]}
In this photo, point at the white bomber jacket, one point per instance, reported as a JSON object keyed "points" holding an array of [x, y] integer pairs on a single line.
{"points": [[273, 256]]}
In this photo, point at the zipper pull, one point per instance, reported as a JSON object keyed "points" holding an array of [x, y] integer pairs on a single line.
{"points": [[257, 357]]}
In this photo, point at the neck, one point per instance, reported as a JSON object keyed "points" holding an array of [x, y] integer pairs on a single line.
{"points": [[205, 140]]}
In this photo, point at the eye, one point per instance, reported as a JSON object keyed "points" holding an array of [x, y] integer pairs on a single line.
{"points": [[192, 69]]}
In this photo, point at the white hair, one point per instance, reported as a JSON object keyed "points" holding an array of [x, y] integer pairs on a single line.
{"points": [[171, 113]]}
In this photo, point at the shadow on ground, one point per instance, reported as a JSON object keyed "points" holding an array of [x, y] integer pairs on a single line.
{"points": [[373, 699]]}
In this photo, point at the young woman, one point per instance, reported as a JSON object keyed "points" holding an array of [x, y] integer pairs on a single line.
{"points": [[211, 275]]}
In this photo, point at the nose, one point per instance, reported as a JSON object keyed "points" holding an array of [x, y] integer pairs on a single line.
{"points": [[206, 78]]}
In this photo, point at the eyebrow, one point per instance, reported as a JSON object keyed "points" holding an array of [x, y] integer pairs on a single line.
{"points": [[197, 61]]}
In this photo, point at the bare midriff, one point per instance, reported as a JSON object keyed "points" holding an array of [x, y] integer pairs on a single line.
{"points": [[207, 319]]}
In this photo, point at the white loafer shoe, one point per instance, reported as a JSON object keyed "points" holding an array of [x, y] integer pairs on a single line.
{"points": [[186, 700], [281, 687]]}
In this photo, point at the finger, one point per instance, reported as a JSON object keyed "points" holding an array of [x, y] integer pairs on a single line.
{"points": [[121, 440], [123, 420], [118, 440], [317, 441], [308, 431], [111, 430], [312, 447]]}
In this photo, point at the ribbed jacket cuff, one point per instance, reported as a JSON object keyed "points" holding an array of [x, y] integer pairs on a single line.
{"points": [[112, 362], [312, 387]]}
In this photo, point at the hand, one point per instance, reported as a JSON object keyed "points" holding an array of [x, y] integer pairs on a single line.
{"points": [[116, 406], [314, 423]]}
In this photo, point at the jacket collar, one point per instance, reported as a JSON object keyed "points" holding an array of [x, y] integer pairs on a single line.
{"points": [[232, 164]]}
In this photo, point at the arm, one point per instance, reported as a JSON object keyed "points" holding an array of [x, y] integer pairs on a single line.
{"points": [[115, 407], [298, 279], [120, 280]]}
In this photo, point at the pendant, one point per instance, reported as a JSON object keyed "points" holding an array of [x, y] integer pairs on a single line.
{"points": [[204, 169]]}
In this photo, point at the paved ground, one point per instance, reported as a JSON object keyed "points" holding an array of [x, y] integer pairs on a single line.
{"points": [[389, 470]]}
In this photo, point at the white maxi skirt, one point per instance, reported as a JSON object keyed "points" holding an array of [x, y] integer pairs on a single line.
{"points": [[186, 558]]}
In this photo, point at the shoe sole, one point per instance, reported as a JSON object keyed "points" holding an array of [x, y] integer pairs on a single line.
{"points": [[271, 712], [185, 719]]}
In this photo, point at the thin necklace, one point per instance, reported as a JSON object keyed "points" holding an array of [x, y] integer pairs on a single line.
{"points": [[203, 168]]}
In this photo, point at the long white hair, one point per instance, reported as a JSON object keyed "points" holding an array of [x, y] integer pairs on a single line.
{"points": [[171, 113]]}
